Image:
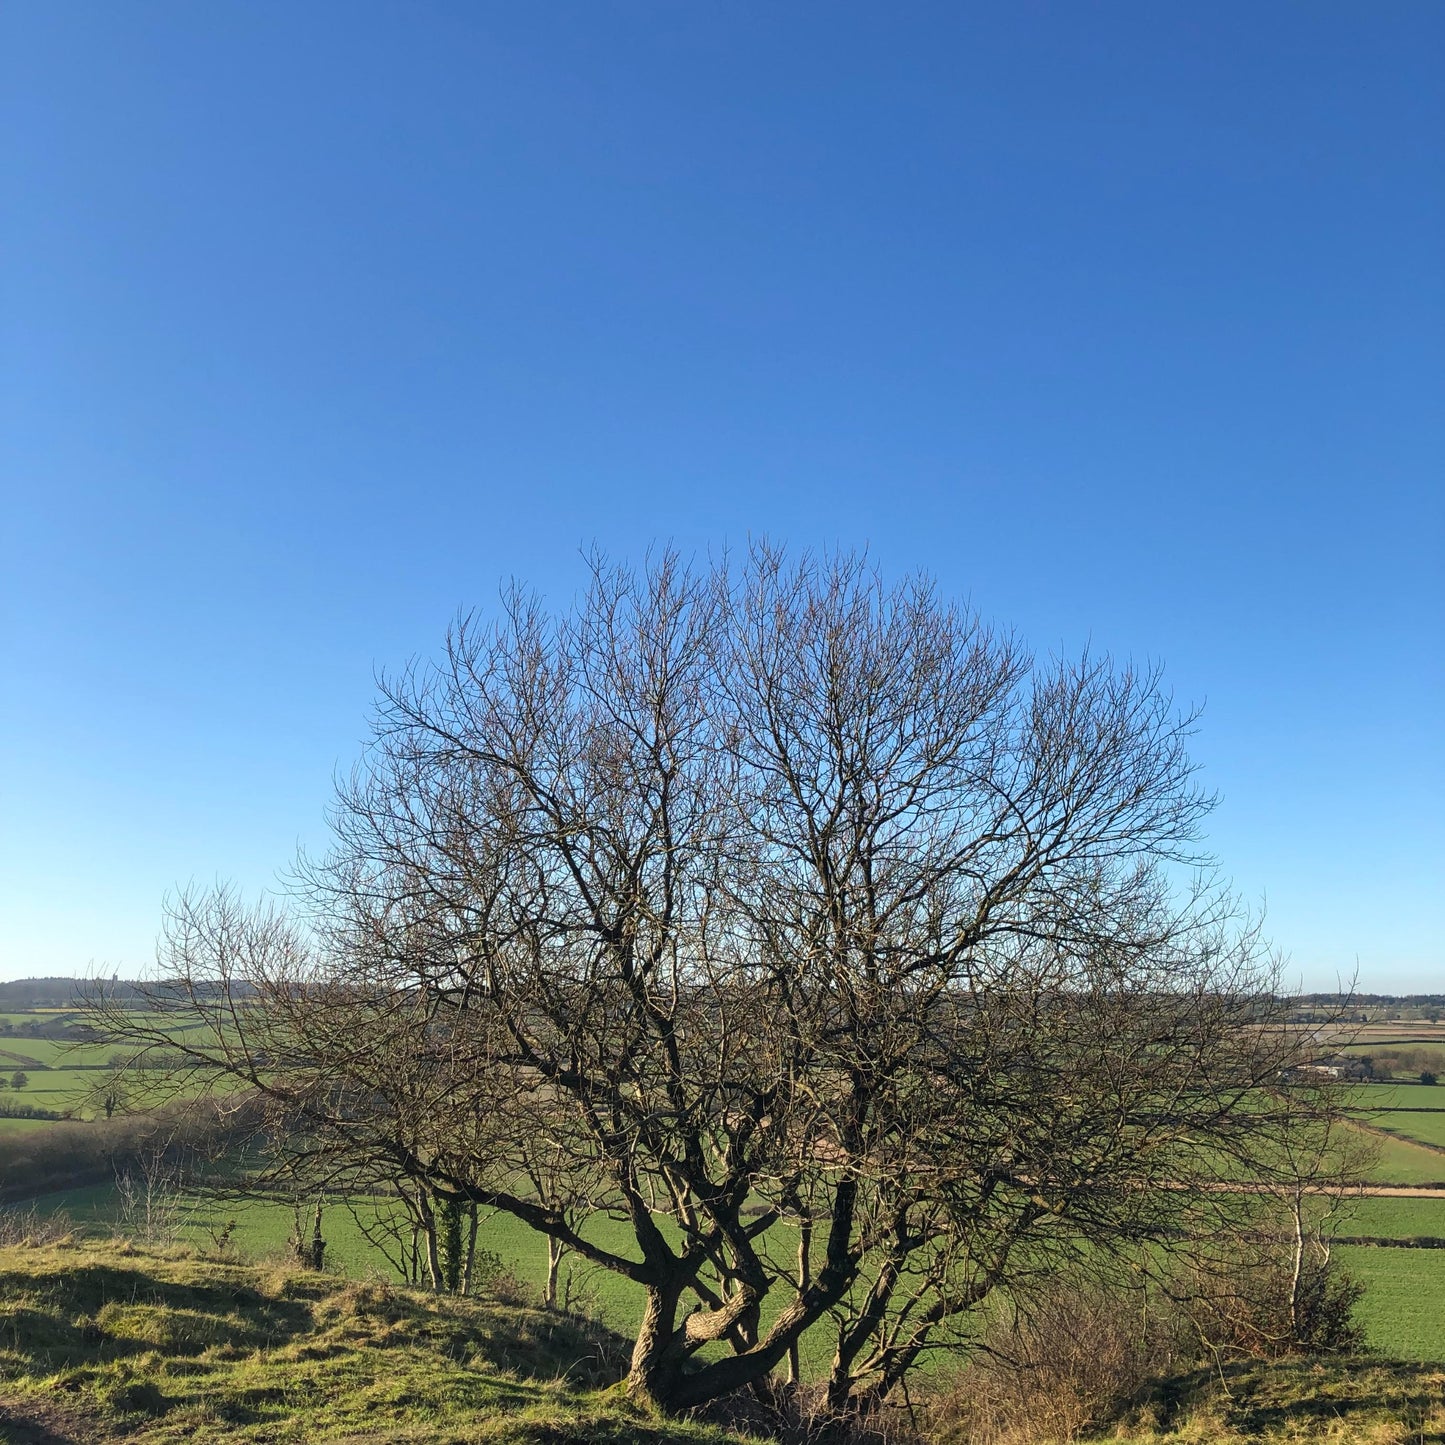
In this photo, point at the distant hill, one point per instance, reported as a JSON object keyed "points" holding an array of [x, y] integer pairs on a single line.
{"points": [[22, 993]]}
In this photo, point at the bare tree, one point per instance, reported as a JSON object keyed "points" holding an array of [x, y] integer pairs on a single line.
{"points": [[859, 963]]}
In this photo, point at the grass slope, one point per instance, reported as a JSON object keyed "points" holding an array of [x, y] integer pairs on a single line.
{"points": [[118, 1344], [1347, 1402], [1422, 1128], [1401, 1162]]}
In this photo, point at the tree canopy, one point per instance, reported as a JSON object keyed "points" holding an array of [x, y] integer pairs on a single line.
{"points": [[861, 962]]}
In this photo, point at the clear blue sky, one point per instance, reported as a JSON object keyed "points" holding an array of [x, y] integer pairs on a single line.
{"points": [[1126, 320]]}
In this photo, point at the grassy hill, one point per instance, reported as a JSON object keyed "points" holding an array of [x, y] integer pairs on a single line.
{"points": [[104, 1343], [1293, 1402], [108, 1343]]}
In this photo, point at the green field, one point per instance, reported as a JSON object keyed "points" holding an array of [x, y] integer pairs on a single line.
{"points": [[1423, 1128], [1400, 1162], [58, 1089], [54, 1053], [1393, 1218], [20, 1126], [262, 1230], [1403, 1308], [1395, 1096]]}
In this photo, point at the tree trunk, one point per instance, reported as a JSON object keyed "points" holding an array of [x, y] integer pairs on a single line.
{"points": [[1299, 1259], [805, 1276], [554, 1259], [471, 1248], [429, 1238], [653, 1376], [318, 1244]]}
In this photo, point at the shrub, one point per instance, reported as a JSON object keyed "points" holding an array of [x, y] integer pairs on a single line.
{"points": [[1069, 1359], [1078, 1356], [74, 1154], [1238, 1302]]}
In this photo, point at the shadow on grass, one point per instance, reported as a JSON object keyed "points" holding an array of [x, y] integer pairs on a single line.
{"points": [[94, 1312], [1287, 1398]]}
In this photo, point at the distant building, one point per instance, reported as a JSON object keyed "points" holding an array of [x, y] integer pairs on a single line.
{"points": [[1342, 1066]]}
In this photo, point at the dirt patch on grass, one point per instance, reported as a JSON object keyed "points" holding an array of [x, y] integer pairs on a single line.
{"points": [[38, 1423]]}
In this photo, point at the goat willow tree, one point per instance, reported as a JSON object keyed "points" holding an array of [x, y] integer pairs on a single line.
{"points": [[799, 921]]}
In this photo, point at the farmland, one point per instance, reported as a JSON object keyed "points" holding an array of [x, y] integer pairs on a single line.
{"points": [[1392, 1218], [1403, 1311], [1404, 1304], [1402, 1161]]}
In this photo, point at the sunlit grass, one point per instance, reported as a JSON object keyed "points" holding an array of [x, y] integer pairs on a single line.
{"points": [[158, 1348]]}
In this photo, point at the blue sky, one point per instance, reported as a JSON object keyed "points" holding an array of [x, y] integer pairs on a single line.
{"points": [[318, 321]]}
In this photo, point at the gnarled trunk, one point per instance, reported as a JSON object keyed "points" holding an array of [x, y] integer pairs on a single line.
{"points": [[654, 1375]]}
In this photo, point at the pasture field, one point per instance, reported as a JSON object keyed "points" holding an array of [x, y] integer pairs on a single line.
{"points": [[1403, 1309], [1406, 1057], [20, 1126], [53, 1053], [1399, 1094], [1428, 1129], [59, 1089], [1391, 1218], [16, 1057], [1401, 1162], [154, 1348], [262, 1230]]}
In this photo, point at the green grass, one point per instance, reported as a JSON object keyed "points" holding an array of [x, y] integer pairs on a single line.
{"points": [[19, 1018], [1394, 1218], [112, 1344], [16, 1055], [1422, 1128], [22, 1126], [1397, 1280], [262, 1230], [55, 1053], [1400, 1162], [58, 1089], [1290, 1402], [1403, 1309], [153, 1348], [1395, 1096], [77, 1090]]}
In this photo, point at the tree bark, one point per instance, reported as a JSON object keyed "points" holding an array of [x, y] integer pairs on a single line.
{"points": [[471, 1248], [653, 1376], [554, 1258]]}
